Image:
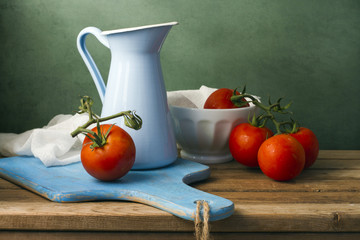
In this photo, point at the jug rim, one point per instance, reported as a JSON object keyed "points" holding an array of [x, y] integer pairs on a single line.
{"points": [[108, 32]]}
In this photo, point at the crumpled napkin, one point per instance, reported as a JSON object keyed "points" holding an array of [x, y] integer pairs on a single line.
{"points": [[54, 146], [190, 98]]}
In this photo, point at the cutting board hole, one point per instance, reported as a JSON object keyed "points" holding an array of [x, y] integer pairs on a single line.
{"points": [[196, 201]]}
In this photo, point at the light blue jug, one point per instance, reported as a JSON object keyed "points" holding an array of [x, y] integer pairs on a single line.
{"points": [[135, 82]]}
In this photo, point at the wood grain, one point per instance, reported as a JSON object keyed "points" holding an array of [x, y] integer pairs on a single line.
{"points": [[166, 236], [323, 201]]}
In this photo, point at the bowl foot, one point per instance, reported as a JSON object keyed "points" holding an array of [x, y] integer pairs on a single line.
{"points": [[206, 159]]}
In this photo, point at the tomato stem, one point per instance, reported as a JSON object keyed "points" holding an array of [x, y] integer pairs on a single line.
{"points": [[131, 120], [269, 110], [242, 102]]}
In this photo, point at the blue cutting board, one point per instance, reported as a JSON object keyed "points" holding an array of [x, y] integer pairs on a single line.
{"points": [[163, 188]]}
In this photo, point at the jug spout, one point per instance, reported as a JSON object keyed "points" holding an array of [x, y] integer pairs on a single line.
{"points": [[139, 39]]}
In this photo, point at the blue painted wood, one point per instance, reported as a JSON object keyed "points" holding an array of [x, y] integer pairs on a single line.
{"points": [[164, 188]]}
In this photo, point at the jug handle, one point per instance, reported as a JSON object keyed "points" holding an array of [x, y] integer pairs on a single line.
{"points": [[89, 62]]}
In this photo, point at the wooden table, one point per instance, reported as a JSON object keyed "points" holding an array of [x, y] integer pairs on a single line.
{"points": [[324, 202]]}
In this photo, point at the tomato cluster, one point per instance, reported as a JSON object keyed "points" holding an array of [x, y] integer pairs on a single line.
{"points": [[282, 156]]}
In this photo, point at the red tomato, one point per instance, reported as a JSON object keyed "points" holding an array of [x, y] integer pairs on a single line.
{"points": [[221, 99], [114, 159], [245, 141], [310, 144], [281, 157]]}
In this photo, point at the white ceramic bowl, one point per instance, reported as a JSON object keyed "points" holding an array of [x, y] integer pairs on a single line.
{"points": [[203, 134]]}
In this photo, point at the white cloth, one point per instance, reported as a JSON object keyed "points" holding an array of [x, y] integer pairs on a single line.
{"points": [[53, 144], [190, 98]]}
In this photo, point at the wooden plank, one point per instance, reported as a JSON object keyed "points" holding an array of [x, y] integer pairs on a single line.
{"points": [[291, 197], [308, 174], [7, 185], [236, 197], [244, 195], [292, 218], [263, 189], [339, 154], [94, 216], [336, 164], [319, 164], [9, 235], [105, 216], [268, 185], [19, 195]]}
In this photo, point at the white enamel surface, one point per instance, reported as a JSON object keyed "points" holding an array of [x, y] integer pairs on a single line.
{"points": [[203, 134]]}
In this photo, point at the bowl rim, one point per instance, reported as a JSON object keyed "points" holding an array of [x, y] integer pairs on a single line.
{"points": [[252, 106]]}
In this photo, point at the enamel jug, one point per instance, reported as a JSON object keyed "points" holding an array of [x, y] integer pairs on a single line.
{"points": [[135, 82]]}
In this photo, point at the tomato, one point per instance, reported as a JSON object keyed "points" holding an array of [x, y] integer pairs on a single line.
{"points": [[245, 141], [221, 99], [281, 157], [310, 144], [113, 160]]}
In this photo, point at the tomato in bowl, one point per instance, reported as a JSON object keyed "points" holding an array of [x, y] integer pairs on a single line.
{"points": [[203, 134]]}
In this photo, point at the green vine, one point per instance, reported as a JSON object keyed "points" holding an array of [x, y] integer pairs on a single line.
{"points": [[131, 120], [270, 112]]}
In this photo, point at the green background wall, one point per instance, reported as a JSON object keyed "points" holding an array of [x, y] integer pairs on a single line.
{"points": [[306, 51]]}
